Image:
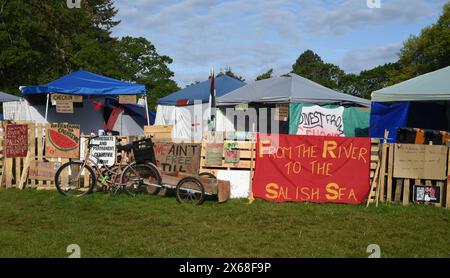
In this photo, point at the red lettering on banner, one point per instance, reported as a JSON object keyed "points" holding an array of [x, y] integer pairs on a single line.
{"points": [[312, 168]]}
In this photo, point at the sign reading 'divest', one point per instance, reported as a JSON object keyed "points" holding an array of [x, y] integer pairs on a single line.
{"points": [[16, 143], [316, 120]]}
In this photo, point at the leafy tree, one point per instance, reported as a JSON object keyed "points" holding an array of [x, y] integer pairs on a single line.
{"points": [[427, 52], [266, 75], [43, 40], [312, 67], [230, 73]]}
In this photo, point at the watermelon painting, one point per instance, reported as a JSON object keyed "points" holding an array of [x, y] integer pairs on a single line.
{"points": [[63, 141]]}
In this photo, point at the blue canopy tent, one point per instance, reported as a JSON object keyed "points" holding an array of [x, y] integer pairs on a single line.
{"points": [[86, 84]]}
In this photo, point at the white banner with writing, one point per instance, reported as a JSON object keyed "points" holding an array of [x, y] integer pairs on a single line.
{"points": [[316, 120]]}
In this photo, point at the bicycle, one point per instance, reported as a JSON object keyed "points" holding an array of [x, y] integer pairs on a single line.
{"points": [[78, 178]]}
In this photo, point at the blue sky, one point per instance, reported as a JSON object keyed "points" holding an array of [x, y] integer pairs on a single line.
{"points": [[251, 36]]}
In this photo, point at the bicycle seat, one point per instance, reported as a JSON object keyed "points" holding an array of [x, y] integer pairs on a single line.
{"points": [[124, 148]]}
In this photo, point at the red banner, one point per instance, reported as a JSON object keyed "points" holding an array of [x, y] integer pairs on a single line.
{"points": [[312, 169], [16, 143]]}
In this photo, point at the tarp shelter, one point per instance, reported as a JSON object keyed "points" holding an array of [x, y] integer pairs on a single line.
{"points": [[93, 87], [299, 93], [4, 97], [421, 102], [178, 108]]}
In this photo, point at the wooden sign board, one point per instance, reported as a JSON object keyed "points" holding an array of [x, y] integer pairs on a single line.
{"points": [[63, 97], [159, 132], [230, 153], [282, 112], [16, 143], [214, 154], [127, 99], [420, 161], [177, 157], [62, 141], [43, 170], [64, 107]]}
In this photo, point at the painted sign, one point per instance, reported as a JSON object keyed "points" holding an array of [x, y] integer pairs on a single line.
{"points": [[230, 152], [43, 170], [62, 141], [213, 154], [316, 120], [312, 169], [105, 152], [177, 157], [16, 143]]}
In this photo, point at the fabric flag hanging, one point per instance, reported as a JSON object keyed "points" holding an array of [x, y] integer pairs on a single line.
{"points": [[212, 103]]}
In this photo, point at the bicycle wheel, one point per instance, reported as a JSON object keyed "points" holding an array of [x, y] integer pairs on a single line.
{"points": [[141, 177], [190, 190], [72, 179]]}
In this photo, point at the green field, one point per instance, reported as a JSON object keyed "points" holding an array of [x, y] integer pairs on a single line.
{"points": [[43, 224]]}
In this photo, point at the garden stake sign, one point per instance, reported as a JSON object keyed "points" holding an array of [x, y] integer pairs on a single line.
{"points": [[315, 169], [16, 143], [62, 141]]}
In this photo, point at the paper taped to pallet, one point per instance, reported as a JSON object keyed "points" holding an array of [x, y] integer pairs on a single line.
{"points": [[239, 182]]}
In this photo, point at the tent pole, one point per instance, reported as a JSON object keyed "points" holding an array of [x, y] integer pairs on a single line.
{"points": [[146, 110], [46, 107]]}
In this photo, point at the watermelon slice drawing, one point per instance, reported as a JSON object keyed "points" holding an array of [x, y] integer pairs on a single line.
{"points": [[61, 142]]}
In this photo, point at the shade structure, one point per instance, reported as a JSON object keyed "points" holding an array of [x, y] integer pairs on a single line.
{"points": [[4, 97], [432, 86], [201, 91], [288, 89], [85, 83]]}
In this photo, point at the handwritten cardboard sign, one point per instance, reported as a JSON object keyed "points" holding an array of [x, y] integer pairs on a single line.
{"points": [[177, 157], [62, 141], [127, 99], [214, 154], [64, 107], [105, 152], [16, 143], [43, 170], [420, 161]]}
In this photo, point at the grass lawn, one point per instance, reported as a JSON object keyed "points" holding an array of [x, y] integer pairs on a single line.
{"points": [[42, 224]]}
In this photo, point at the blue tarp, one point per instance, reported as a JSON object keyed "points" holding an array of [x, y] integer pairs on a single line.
{"points": [[86, 83], [200, 92], [388, 116]]}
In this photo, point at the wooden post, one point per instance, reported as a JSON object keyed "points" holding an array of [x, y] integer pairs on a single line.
{"points": [[390, 173], [251, 199], [40, 148], [406, 185], [32, 150], [383, 166]]}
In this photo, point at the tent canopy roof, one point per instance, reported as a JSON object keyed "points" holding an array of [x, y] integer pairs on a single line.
{"points": [[223, 84], [4, 97], [430, 86], [86, 83], [292, 89]]}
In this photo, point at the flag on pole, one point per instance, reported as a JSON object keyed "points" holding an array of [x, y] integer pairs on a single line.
{"points": [[212, 102]]}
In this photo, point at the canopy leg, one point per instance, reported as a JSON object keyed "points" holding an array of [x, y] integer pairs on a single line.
{"points": [[146, 110]]}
